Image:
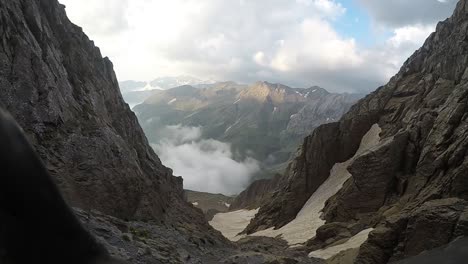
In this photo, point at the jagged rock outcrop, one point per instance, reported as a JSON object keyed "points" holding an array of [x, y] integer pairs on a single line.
{"points": [[419, 176], [373, 175], [328, 144], [56, 84], [324, 107], [256, 194]]}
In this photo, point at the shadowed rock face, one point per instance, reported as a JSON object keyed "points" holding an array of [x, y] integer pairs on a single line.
{"points": [[209, 203], [454, 253], [326, 146], [256, 194], [423, 114], [36, 225], [65, 95], [55, 83]]}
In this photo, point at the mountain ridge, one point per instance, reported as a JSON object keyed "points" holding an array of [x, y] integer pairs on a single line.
{"points": [[262, 120], [410, 186], [65, 95]]}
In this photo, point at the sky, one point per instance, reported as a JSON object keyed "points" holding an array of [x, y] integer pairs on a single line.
{"points": [[340, 45]]}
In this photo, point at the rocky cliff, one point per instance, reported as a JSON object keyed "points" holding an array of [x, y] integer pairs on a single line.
{"points": [[56, 84], [256, 194], [412, 188], [58, 87]]}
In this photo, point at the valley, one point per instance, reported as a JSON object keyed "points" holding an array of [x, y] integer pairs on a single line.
{"points": [[208, 172], [264, 122]]}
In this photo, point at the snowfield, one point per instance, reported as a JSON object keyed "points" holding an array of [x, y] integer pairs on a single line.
{"points": [[308, 220], [354, 242], [232, 223]]}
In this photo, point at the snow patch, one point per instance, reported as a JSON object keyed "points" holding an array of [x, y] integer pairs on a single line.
{"points": [[232, 223], [229, 128], [308, 220], [148, 87], [354, 242], [227, 205], [195, 203], [172, 101]]}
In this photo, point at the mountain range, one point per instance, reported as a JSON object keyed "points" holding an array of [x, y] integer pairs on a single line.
{"points": [[135, 92], [264, 121]]}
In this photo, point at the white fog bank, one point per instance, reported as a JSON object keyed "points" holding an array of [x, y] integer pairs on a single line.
{"points": [[205, 164]]}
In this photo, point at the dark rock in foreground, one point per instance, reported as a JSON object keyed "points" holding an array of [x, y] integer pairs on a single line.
{"points": [[454, 253], [65, 96], [143, 243]]}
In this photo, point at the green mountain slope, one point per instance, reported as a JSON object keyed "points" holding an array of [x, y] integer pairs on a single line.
{"points": [[264, 121]]}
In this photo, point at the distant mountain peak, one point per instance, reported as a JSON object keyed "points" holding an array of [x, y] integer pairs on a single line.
{"points": [[317, 89], [163, 83]]}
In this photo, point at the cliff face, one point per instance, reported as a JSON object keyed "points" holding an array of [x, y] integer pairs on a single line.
{"points": [[56, 84], [414, 185], [255, 195]]}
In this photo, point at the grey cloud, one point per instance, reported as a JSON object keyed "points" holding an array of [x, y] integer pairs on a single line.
{"points": [[399, 13]]}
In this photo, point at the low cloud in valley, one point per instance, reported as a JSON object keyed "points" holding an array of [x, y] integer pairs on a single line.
{"points": [[205, 164]]}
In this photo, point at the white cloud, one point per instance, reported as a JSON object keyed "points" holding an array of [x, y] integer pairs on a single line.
{"points": [[260, 58], [179, 134], [104, 17], [205, 165], [327, 8], [415, 34], [305, 49], [292, 42]]}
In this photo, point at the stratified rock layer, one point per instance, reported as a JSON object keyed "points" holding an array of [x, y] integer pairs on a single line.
{"points": [[418, 178]]}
